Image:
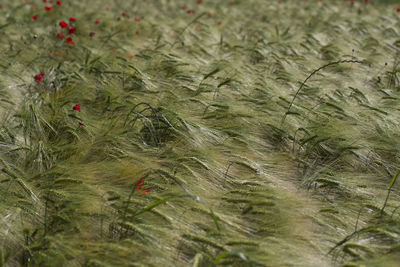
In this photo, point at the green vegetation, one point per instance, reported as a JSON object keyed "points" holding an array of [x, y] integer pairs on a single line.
{"points": [[265, 134]]}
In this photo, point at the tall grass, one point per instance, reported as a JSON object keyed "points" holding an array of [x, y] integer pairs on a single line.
{"points": [[253, 153]]}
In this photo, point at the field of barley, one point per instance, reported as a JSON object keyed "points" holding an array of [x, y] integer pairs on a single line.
{"points": [[199, 133]]}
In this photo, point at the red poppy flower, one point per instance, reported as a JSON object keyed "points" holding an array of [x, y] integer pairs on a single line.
{"points": [[199, 1], [34, 17], [71, 30], [72, 19], [191, 11], [48, 8], [91, 34], [59, 3], [60, 35], [97, 21], [63, 24], [76, 107], [183, 7], [124, 14], [70, 41], [137, 19], [398, 9], [44, 1], [107, 8], [39, 77], [140, 185]]}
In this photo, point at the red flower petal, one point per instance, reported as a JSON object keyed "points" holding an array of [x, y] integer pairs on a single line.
{"points": [[39, 77], [69, 40], [63, 24], [72, 19], [71, 30], [76, 107], [59, 3], [137, 19], [97, 21], [199, 1], [48, 8], [140, 185], [60, 35], [124, 14], [34, 17]]}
